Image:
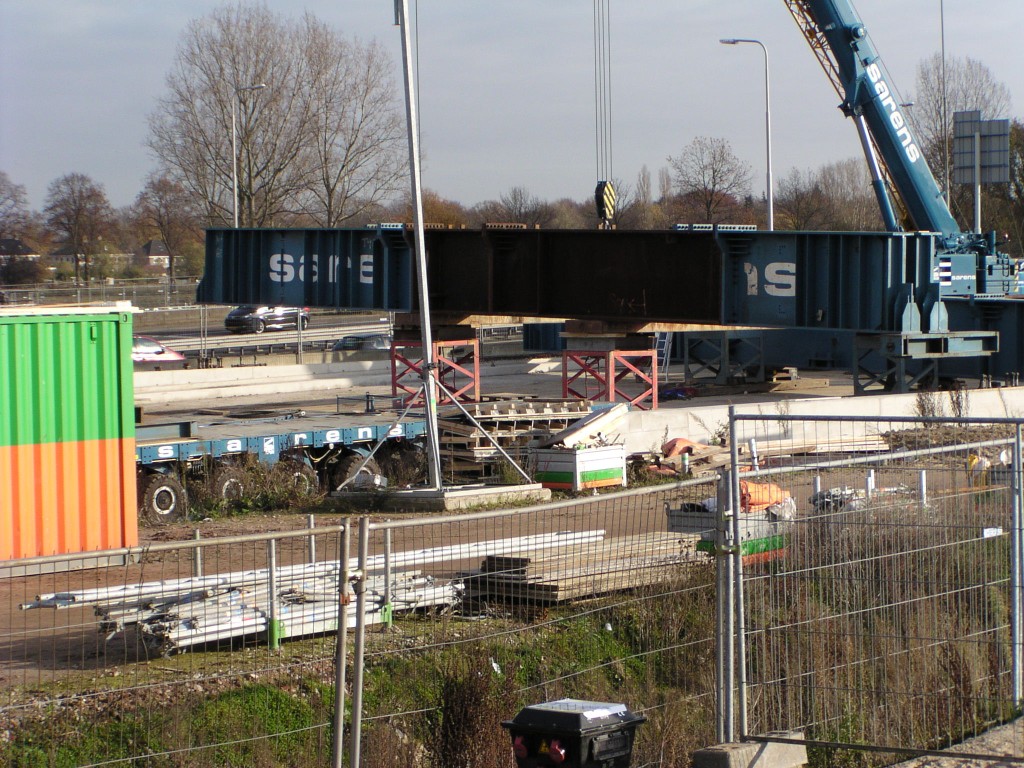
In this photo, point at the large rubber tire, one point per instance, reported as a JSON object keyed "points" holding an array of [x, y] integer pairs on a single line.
{"points": [[348, 466], [258, 326], [162, 499], [228, 483], [303, 477]]}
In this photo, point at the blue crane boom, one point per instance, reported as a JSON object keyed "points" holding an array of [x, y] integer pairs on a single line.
{"points": [[839, 39]]}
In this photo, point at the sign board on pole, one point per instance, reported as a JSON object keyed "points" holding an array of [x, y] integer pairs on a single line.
{"points": [[994, 138]]}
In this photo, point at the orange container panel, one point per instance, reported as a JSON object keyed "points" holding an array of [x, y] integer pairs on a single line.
{"points": [[67, 432]]}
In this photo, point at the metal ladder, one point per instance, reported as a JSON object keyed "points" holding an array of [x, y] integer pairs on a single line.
{"points": [[663, 353]]}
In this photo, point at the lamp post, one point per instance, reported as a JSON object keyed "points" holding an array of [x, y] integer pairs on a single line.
{"points": [[945, 114], [234, 142], [767, 121]]}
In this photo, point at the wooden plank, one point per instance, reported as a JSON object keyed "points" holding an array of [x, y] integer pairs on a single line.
{"points": [[604, 566]]}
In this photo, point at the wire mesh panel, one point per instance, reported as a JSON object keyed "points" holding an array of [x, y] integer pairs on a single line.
{"points": [[222, 651], [182, 653], [889, 616], [593, 598]]}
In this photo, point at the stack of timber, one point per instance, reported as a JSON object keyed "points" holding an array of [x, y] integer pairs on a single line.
{"points": [[774, 452], [468, 444], [588, 568]]}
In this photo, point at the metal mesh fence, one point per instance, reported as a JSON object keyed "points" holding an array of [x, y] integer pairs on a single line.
{"points": [[167, 656], [885, 616], [142, 292], [223, 654], [590, 599], [879, 612]]}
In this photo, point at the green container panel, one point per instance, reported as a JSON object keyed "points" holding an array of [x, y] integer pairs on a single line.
{"points": [[67, 432], [65, 376]]}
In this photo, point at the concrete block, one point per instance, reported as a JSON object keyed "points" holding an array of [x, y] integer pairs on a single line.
{"points": [[754, 754]]}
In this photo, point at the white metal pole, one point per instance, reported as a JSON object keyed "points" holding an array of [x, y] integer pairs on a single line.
{"points": [[977, 183], [945, 117], [429, 388], [234, 158], [767, 123], [768, 138]]}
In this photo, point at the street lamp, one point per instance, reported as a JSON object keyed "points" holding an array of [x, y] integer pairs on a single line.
{"points": [[767, 121], [234, 142]]}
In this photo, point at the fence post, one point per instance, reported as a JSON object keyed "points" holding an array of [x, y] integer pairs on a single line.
{"points": [[387, 611], [274, 620], [197, 556], [1016, 563], [359, 587], [723, 616], [922, 487], [311, 548], [341, 649], [736, 507]]}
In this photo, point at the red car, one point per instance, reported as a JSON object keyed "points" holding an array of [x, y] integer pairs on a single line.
{"points": [[146, 349]]}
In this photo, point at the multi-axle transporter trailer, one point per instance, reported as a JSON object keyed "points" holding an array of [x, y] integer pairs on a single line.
{"points": [[322, 450]]}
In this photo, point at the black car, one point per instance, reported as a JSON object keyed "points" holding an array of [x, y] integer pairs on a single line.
{"points": [[253, 319], [374, 341]]}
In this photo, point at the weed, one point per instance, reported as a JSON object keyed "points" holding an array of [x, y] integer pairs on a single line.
{"points": [[927, 405]]}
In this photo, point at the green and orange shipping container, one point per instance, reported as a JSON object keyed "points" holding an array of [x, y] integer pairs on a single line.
{"points": [[67, 431]]}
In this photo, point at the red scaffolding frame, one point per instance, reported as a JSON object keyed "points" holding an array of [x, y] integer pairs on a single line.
{"points": [[457, 370], [600, 374]]}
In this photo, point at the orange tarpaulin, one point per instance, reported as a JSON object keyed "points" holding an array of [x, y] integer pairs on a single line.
{"points": [[680, 445], [756, 497]]}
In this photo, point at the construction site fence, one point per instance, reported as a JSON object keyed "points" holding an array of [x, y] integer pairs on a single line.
{"points": [[141, 292], [461, 618], [885, 617], [874, 612]]}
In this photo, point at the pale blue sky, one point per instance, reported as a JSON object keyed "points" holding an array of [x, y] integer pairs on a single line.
{"points": [[506, 88]]}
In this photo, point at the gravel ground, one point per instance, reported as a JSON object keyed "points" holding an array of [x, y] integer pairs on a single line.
{"points": [[1008, 740]]}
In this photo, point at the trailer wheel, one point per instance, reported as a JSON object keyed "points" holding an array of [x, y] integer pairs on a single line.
{"points": [[259, 326], [228, 483], [348, 466], [303, 478], [162, 499]]}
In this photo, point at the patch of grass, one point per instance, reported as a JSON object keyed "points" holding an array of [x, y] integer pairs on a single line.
{"points": [[239, 720]]}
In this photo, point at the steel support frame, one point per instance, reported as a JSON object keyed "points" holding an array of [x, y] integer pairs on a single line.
{"points": [[896, 350], [721, 364], [607, 369], [892, 376], [458, 370]]}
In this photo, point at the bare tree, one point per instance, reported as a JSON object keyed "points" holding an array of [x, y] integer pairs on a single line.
{"points": [[518, 206], [359, 135], [1004, 203], [315, 136], [437, 210], [851, 202], [707, 171], [166, 207], [969, 85], [572, 214], [664, 185], [13, 208], [801, 203], [78, 209]]}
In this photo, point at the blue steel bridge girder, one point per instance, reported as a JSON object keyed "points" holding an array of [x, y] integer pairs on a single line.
{"points": [[867, 281]]}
